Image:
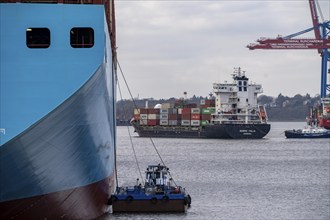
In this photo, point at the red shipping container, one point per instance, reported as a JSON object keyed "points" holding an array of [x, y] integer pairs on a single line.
{"points": [[153, 122], [186, 110], [153, 110], [143, 111], [185, 116], [210, 102], [172, 117], [206, 117], [195, 116]]}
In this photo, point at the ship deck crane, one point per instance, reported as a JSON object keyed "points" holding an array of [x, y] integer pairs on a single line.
{"points": [[321, 42]]}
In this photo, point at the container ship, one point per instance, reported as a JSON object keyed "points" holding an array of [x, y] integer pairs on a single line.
{"points": [[57, 125], [232, 113]]}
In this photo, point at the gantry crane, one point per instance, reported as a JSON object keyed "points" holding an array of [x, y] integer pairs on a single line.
{"points": [[321, 42]]}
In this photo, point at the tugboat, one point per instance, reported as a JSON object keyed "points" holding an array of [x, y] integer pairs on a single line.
{"points": [[308, 132], [159, 194], [311, 130]]}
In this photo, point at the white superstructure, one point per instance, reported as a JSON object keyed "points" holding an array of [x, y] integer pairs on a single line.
{"points": [[237, 101]]}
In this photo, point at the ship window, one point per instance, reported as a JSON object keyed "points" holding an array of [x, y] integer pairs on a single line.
{"points": [[37, 37], [245, 89], [240, 89], [82, 37]]}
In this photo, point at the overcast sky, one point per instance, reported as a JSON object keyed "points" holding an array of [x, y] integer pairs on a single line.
{"points": [[168, 47]]}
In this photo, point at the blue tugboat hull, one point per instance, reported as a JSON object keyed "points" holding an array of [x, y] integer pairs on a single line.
{"points": [[157, 195], [294, 134]]}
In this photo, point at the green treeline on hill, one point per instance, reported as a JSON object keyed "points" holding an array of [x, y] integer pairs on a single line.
{"points": [[281, 108]]}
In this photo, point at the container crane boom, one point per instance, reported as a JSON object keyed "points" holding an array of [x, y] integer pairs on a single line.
{"points": [[321, 43], [315, 19], [284, 43]]}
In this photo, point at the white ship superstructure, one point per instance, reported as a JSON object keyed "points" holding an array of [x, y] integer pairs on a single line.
{"points": [[236, 102]]}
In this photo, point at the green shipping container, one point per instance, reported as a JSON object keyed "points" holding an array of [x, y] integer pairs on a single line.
{"points": [[204, 122], [208, 110]]}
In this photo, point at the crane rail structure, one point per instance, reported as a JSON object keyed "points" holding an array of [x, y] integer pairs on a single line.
{"points": [[321, 42]]}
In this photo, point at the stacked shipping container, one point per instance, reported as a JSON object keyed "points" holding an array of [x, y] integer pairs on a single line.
{"points": [[174, 116]]}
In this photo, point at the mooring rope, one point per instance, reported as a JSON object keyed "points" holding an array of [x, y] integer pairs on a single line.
{"points": [[135, 106], [130, 137]]}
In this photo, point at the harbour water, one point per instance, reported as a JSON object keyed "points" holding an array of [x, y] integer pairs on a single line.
{"points": [[270, 178]]}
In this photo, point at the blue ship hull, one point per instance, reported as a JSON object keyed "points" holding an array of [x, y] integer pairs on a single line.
{"points": [[57, 153]]}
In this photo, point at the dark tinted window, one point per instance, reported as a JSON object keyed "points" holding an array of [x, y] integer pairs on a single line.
{"points": [[82, 37], [37, 37]]}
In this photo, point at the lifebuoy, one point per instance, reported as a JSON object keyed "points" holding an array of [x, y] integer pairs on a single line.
{"points": [[327, 109]]}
